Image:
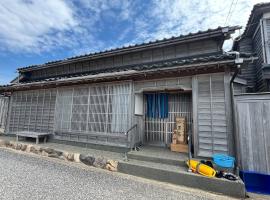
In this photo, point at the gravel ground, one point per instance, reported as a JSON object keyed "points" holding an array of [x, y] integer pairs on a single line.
{"points": [[24, 176]]}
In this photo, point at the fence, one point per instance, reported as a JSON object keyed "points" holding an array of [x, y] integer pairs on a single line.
{"points": [[253, 131], [3, 112], [32, 110]]}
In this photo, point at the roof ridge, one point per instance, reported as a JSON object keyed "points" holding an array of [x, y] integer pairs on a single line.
{"points": [[255, 7], [231, 28], [143, 66]]}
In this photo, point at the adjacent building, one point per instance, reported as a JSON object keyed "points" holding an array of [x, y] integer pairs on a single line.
{"points": [[256, 40]]}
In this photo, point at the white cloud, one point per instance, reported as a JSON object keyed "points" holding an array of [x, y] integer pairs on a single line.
{"points": [[78, 25], [27, 25], [174, 17], [41, 26]]}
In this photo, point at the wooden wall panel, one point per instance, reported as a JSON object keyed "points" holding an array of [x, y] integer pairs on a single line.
{"points": [[211, 117], [253, 125], [258, 49], [132, 58]]}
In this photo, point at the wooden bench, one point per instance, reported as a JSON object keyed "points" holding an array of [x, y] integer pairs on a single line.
{"points": [[30, 134]]}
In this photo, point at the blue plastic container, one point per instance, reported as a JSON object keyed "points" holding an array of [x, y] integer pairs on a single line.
{"points": [[256, 182], [223, 161]]}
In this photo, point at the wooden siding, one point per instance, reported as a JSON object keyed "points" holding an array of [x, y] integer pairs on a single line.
{"points": [[259, 44], [184, 83], [248, 72], [145, 56], [239, 88], [267, 39], [253, 125], [4, 102], [211, 131], [258, 49]]}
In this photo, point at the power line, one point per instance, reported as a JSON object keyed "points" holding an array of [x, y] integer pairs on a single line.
{"points": [[231, 10]]}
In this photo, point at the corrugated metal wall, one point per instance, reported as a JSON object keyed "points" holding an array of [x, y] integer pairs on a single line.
{"points": [[4, 101], [211, 119], [32, 111], [253, 125]]}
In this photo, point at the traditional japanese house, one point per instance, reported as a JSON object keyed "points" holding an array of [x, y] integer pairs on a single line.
{"points": [[131, 95]]}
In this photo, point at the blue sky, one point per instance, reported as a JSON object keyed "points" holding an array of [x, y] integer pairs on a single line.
{"points": [[38, 31]]}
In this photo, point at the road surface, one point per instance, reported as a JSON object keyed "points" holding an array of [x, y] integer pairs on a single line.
{"points": [[24, 176]]}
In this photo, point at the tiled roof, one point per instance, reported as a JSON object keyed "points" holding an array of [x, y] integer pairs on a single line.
{"points": [[208, 32], [151, 66], [255, 15]]}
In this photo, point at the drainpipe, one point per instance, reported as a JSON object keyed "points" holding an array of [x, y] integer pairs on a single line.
{"points": [[238, 62]]}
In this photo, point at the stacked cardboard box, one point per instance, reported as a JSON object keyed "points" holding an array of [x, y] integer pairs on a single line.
{"points": [[179, 139]]}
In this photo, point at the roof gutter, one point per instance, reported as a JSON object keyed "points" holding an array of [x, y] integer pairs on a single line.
{"points": [[238, 62]]}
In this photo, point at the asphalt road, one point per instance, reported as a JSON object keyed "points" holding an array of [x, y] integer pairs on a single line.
{"points": [[23, 176]]}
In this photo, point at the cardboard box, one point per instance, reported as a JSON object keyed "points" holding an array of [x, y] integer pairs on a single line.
{"points": [[174, 141], [180, 127], [180, 120], [182, 148], [180, 138]]}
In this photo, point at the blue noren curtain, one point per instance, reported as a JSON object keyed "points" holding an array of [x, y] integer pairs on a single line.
{"points": [[157, 105]]}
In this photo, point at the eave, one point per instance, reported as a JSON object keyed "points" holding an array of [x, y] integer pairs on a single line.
{"points": [[184, 70]]}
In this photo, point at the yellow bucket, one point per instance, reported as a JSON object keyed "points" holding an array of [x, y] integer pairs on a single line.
{"points": [[200, 168]]}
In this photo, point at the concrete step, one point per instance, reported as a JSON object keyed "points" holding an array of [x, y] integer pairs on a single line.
{"points": [[158, 155], [169, 161], [178, 175]]}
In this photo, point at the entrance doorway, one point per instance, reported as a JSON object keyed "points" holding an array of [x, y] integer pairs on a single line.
{"points": [[159, 128]]}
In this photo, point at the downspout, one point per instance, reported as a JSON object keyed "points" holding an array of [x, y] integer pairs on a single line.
{"points": [[238, 62]]}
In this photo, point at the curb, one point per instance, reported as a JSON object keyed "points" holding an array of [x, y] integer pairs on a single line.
{"points": [[89, 160]]}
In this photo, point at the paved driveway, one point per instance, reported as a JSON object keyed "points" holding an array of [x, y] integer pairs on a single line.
{"points": [[31, 177]]}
